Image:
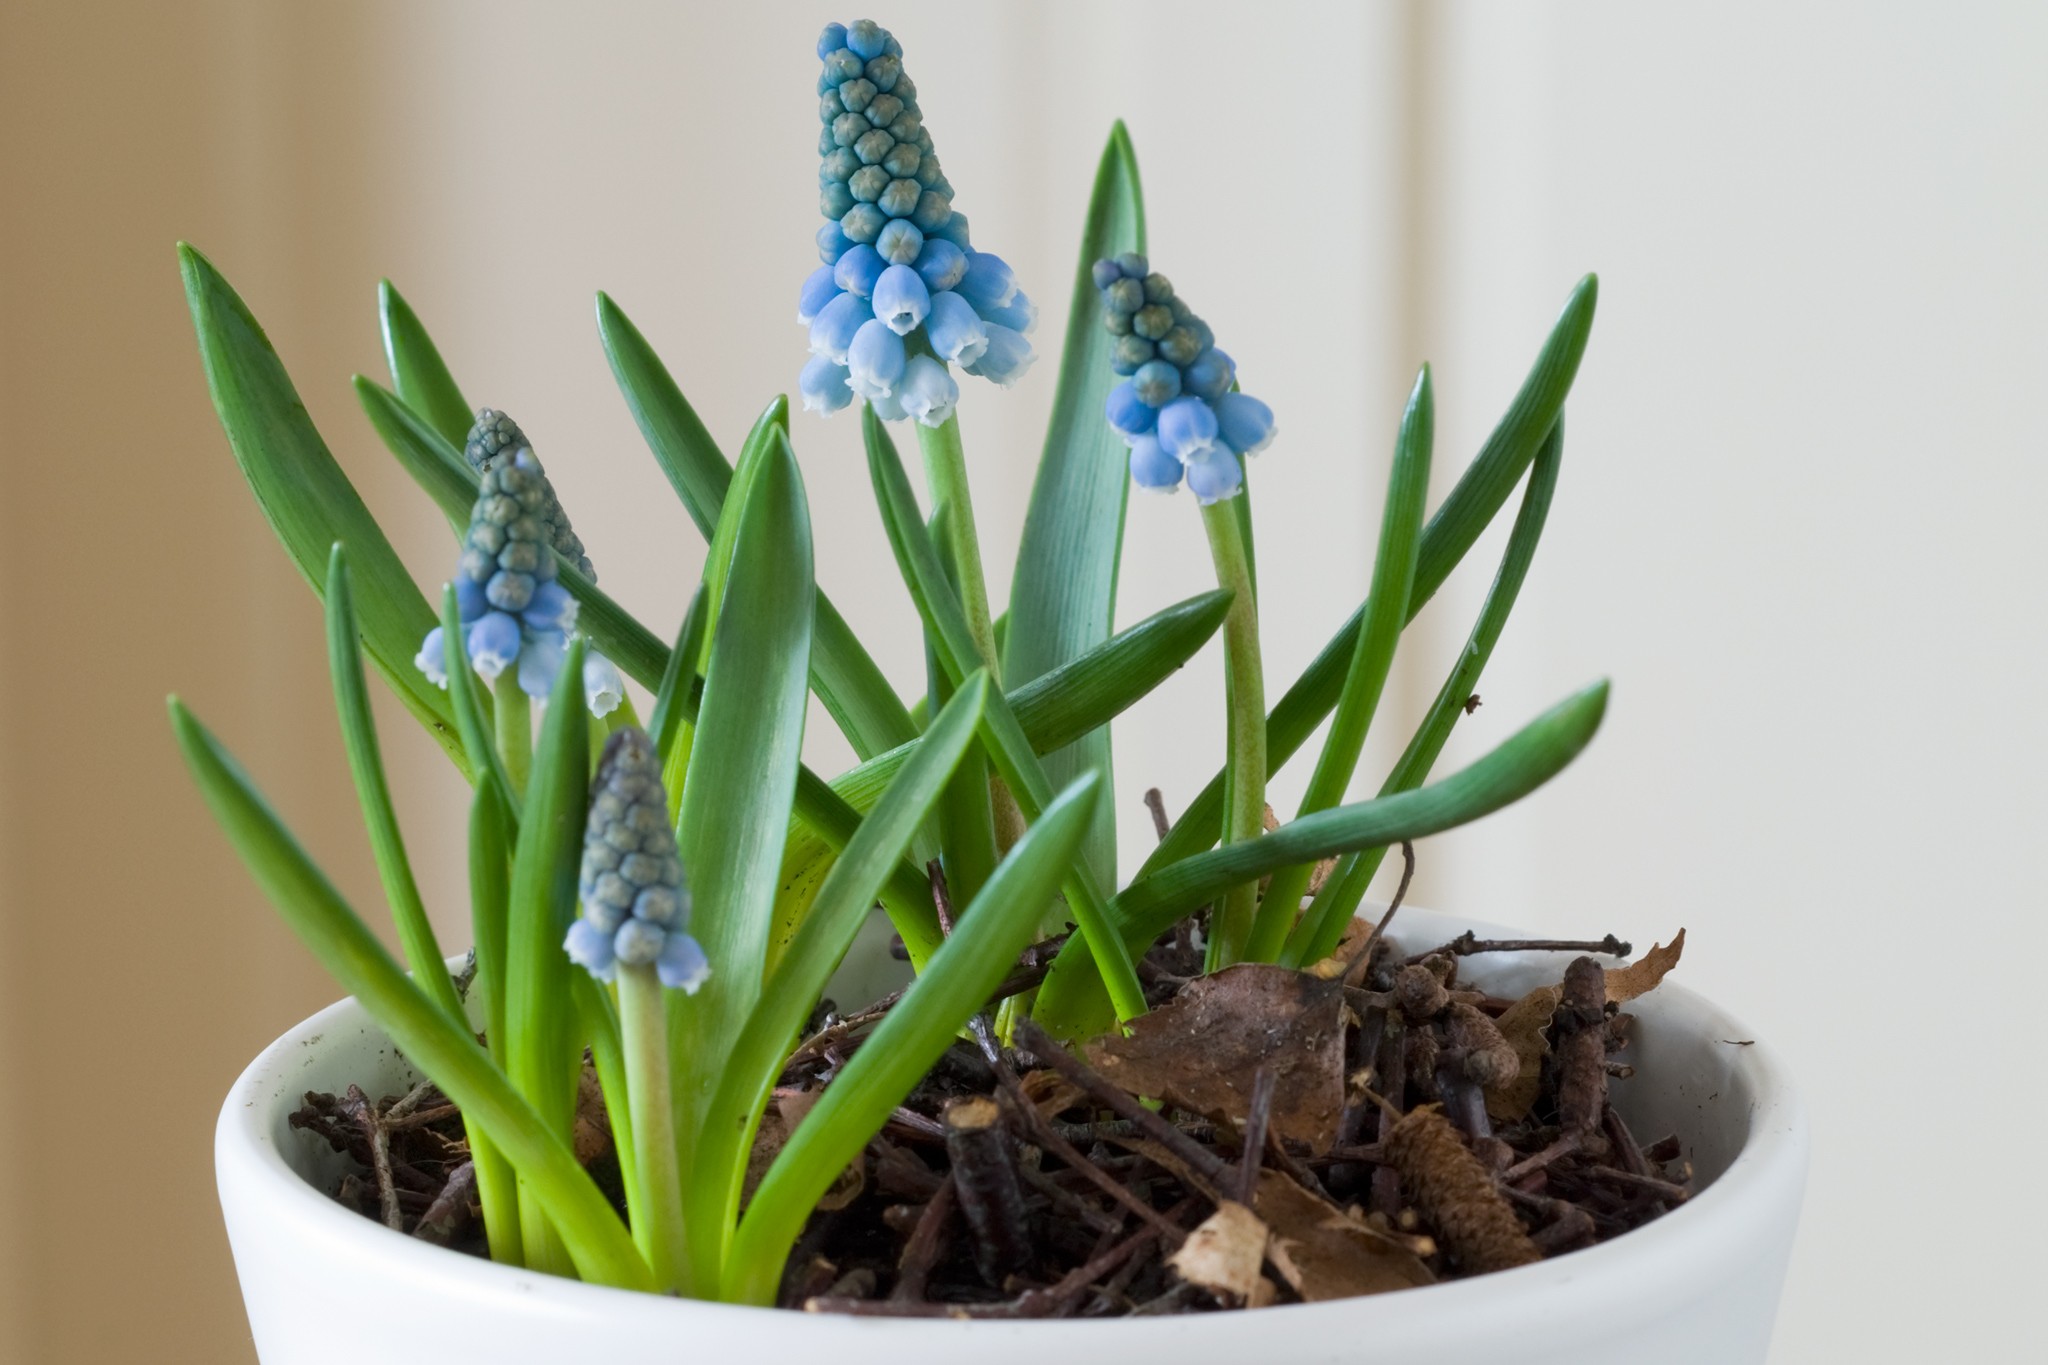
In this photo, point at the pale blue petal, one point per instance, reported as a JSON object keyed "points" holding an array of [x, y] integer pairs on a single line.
{"points": [[1007, 357], [493, 644], [929, 393], [603, 688], [682, 965], [901, 300], [1214, 475], [858, 270], [955, 330], [823, 386], [875, 360], [1187, 429], [832, 331], [590, 948], [1129, 415], [1152, 467], [432, 660], [818, 290]]}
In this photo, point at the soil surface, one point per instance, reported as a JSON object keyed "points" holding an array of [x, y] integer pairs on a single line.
{"points": [[1262, 1136]]}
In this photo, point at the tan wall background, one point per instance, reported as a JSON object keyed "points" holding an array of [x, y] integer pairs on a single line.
{"points": [[1798, 521]]}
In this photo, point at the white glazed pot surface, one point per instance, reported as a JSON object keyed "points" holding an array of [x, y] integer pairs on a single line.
{"points": [[1697, 1287]]}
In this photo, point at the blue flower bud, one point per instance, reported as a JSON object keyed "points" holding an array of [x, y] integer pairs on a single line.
{"points": [[1133, 265], [820, 288], [1105, 274], [928, 393], [1020, 314], [823, 386], [1152, 467], [1157, 383], [832, 243], [831, 40], [875, 360], [1246, 423], [954, 230], [832, 331], [901, 300], [1007, 357], [940, 264], [590, 948], [1187, 429], [552, 608], [1129, 415], [867, 38], [635, 907], [469, 597], [988, 283], [900, 242], [493, 642], [638, 943], [1210, 376], [863, 223], [955, 330], [1214, 474], [857, 271]]}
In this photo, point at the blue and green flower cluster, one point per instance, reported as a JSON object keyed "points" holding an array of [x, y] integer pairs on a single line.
{"points": [[1177, 407], [902, 294], [635, 908], [514, 611]]}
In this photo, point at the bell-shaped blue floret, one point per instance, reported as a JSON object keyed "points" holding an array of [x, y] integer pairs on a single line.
{"points": [[901, 300], [940, 264], [857, 271], [540, 658], [432, 660], [988, 283], [552, 608], [682, 965], [469, 597], [1187, 429], [603, 688], [928, 392], [833, 242], [1129, 415], [1246, 423], [819, 289], [590, 948], [823, 386], [833, 330], [1007, 357], [1020, 314], [1214, 475], [493, 641], [888, 407], [955, 330], [874, 362], [1152, 467]]}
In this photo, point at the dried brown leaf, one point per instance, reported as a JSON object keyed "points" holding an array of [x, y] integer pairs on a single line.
{"points": [[1348, 947], [1523, 1026], [1203, 1050], [1323, 1252], [1640, 978], [1224, 1253]]}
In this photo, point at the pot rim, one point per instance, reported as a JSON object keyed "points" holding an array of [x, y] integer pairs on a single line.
{"points": [[1628, 1278]]}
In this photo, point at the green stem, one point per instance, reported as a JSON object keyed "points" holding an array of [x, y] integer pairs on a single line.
{"points": [[658, 1220], [497, 1190], [1244, 782], [945, 472], [515, 730]]}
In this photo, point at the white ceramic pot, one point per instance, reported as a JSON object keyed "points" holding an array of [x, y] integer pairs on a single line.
{"points": [[1697, 1287]]}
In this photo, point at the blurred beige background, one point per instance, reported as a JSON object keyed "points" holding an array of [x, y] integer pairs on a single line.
{"points": [[1798, 520]]}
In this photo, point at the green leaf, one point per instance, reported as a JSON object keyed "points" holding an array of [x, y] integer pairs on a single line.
{"points": [[1322, 927], [541, 1049], [962, 975], [1063, 596], [742, 776], [1008, 747], [309, 502], [366, 763], [597, 1241], [1151, 905], [672, 701], [417, 370], [434, 463], [1053, 710], [798, 980], [1468, 509], [846, 679], [1386, 613]]}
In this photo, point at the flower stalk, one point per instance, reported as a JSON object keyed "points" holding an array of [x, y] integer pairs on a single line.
{"points": [[1244, 769]]}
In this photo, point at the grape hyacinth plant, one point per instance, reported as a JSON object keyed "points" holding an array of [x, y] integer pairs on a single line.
{"points": [[671, 899]]}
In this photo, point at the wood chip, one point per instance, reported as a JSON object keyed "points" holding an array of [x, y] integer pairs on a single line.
{"points": [[1223, 1254]]}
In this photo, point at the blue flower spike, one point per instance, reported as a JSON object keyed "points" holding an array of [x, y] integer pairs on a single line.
{"points": [[636, 910], [1176, 408], [514, 612], [900, 283]]}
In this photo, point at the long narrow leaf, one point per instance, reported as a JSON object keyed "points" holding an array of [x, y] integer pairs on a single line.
{"points": [[366, 763], [797, 981], [910, 1038], [742, 776], [433, 462], [309, 502], [417, 371], [1008, 747], [1386, 613], [597, 1241], [1063, 596], [1467, 510], [1071, 1004], [1317, 936], [846, 679]]}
